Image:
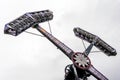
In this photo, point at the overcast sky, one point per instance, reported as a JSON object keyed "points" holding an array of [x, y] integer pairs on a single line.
{"points": [[29, 57]]}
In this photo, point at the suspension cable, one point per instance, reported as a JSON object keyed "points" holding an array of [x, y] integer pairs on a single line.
{"points": [[49, 27], [83, 44], [95, 51], [39, 34], [33, 33], [86, 48]]}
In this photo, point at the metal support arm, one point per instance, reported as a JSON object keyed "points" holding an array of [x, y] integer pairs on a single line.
{"points": [[66, 50]]}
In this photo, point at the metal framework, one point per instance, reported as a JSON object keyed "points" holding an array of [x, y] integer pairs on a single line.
{"points": [[81, 66], [95, 40]]}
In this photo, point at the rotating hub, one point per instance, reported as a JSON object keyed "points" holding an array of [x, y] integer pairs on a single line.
{"points": [[81, 60]]}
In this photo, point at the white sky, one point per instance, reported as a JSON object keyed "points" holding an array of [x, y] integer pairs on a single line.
{"points": [[29, 57]]}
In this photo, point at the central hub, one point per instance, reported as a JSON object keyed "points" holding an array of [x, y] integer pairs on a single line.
{"points": [[81, 60]]}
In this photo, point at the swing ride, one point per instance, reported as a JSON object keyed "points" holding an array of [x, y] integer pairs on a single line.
{"points": [[82, 67]]}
